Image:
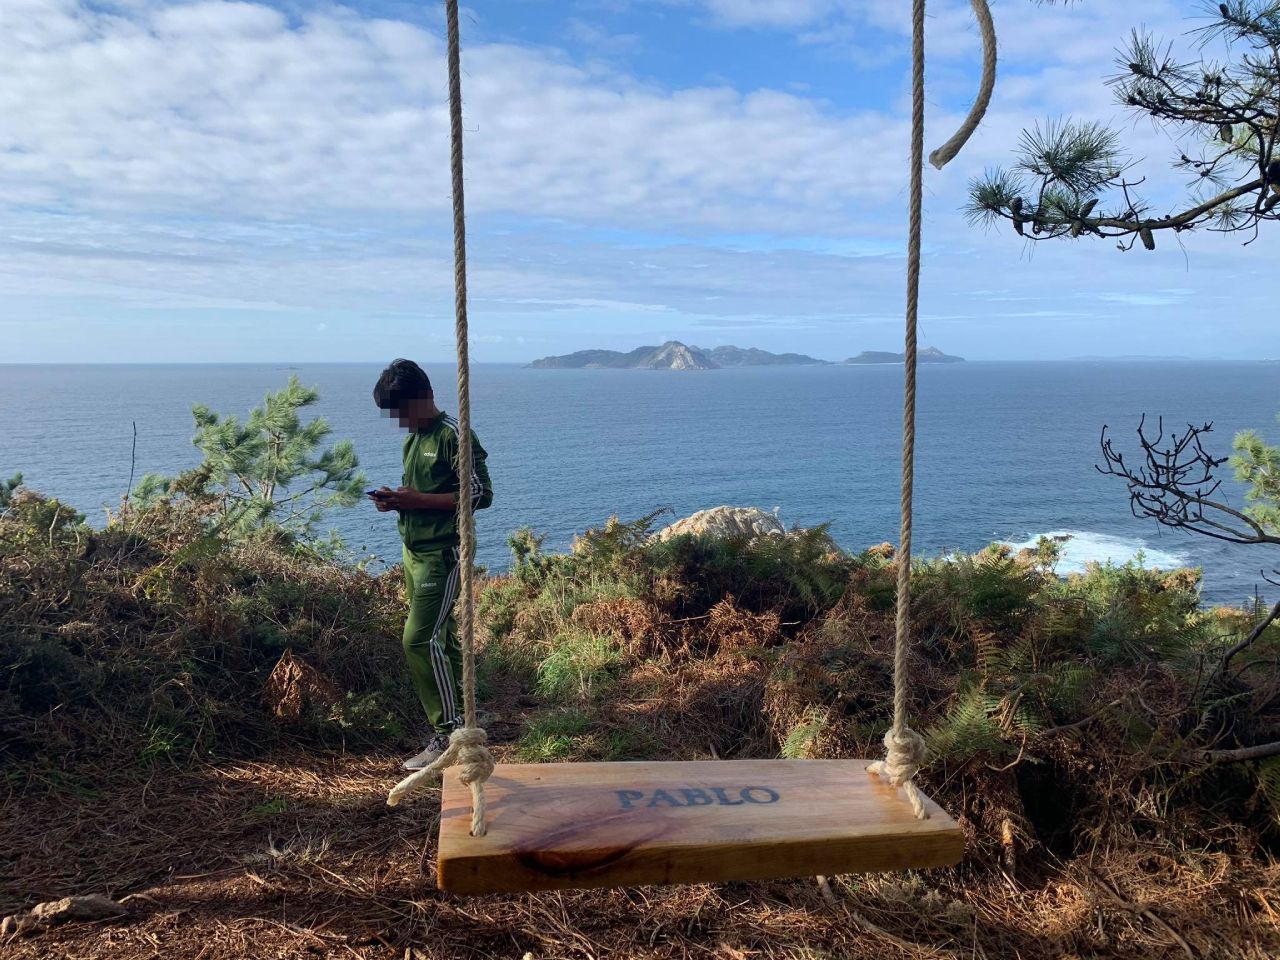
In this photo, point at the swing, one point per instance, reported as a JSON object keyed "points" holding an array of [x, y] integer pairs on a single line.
{"points": [[560, 826]]}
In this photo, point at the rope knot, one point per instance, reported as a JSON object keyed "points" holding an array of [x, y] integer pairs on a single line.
{"points": [[470, 755], [467, 751], [904, 756]]}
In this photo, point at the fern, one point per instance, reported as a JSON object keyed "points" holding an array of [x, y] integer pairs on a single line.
{"points": [[1070, 686], [969, 728], [1027, 721], [1129, 728], [616, 546], [992, 587], [1269, 784], [799, 742], [7, 488], [1019, 657]]}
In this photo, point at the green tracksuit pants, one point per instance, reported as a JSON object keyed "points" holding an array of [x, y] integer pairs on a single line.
{"points": [[431, 634]]}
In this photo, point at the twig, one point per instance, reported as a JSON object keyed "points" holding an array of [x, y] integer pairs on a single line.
{"points": [[1256, 752], [296, 930], [1079, 723], [1247, 642], [827, 893], [906, 946], [1051, 731], [1144, 911]]}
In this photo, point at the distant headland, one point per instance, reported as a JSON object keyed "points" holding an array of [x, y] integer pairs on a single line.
{"points": [[674, 355], [927, 355]]}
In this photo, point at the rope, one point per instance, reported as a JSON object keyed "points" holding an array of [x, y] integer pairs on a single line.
{"points": [[467, 747], [947, 152], [904, 748], [466, 751]]}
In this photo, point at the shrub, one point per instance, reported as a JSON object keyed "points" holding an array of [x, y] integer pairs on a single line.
{"points": [[153, 639], [580, 666]]}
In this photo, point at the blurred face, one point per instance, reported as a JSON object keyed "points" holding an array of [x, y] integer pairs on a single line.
{"points": [[415, 413]]}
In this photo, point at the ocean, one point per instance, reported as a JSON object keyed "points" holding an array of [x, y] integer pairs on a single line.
{"points": [[1007, 451]]}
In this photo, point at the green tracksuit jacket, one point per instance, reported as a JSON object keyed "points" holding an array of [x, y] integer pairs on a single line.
{"points": [[431, 567]]}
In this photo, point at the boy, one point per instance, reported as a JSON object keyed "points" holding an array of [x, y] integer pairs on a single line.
{"points": [[428, 503]]}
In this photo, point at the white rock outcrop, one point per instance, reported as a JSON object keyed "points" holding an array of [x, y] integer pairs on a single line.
{"points": [[747, 522]]}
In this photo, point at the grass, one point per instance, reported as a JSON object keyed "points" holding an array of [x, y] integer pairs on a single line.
{"points": [[269, 808], [163, 743], [580, 666], [553, 737], [572, 734]]}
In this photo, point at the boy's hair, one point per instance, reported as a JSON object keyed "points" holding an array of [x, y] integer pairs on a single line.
{"points": [[401, 382]]}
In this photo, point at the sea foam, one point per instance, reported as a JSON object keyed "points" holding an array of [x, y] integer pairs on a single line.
{"points": [[1085, 547]]}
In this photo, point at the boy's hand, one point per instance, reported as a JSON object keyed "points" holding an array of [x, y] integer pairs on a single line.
{"points": [[406, 498], [383, 499], [403, 498]]}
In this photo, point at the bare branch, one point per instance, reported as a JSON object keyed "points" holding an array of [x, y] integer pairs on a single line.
{"points": [[1258, 752], [1258, 630], [1175, 485]]}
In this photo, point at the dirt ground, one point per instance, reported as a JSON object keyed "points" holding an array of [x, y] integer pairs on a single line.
{"points": [[297, 856]]}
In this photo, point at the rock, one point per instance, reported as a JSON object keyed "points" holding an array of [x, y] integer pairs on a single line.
{"points": [[749, 522], [66, 910], [674, 355]]}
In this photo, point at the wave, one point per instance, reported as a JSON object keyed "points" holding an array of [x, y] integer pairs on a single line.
{"points": [[1085, 547]]}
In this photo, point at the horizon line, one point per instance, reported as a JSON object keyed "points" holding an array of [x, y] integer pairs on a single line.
{"points": [[1132, 358]]}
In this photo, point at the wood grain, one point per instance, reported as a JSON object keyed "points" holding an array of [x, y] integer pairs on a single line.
{"points": [[564, 825]]}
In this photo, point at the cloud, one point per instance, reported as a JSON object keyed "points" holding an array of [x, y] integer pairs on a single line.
{"points": [[1152, 299], [771, 12], [229, 107], [226, 158], [599, 40]]}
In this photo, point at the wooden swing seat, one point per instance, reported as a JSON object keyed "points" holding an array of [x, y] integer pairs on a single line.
{"points": [[556, 826]]}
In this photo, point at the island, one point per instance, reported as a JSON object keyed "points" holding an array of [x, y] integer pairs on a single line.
{"points": [[927, 355], [672, 355], [754, 357]]}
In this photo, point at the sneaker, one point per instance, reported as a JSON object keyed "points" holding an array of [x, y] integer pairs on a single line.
{"points": [[437, 745]]}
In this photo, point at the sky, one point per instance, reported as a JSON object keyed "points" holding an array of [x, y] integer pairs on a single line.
{"points": [[230, 181]]}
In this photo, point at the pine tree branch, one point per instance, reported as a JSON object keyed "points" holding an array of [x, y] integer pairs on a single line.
{"points": [[1181, 220]]}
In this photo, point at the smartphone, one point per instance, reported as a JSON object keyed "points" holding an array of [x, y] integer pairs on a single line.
{"points": [[374, 493]]}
